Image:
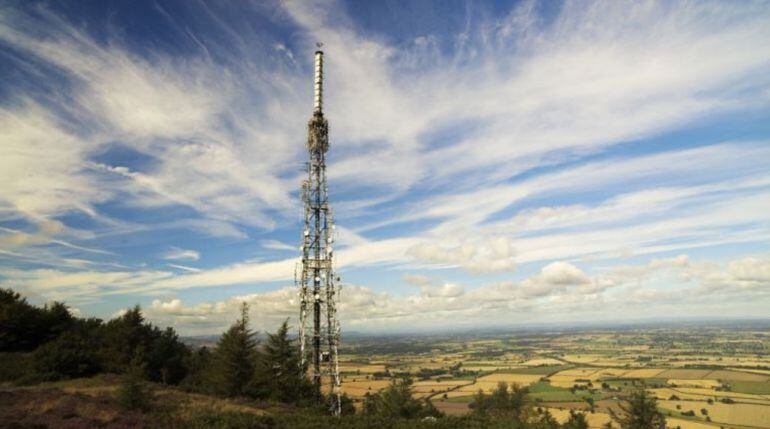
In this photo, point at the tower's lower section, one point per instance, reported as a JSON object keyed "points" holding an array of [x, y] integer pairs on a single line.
{"points": [[319, 332]]}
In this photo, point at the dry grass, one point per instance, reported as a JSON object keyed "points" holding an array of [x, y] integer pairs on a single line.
{"points": [[730, 414], [542, 362], [710, 393], [359, 388], [584, 373], [643, 373], [685, 374], [362, 368], [520, 379], [582, 358], [737, 376], [694, 383], [688, 424], [595, 420]]}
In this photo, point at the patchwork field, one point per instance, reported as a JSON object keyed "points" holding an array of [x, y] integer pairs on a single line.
{"points": [[570, 370], [737, 414]]}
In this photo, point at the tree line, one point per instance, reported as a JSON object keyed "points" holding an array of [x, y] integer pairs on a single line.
{"points": [[53, 344], [49, 343]]}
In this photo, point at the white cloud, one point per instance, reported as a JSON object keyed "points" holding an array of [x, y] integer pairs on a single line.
{"points": [[45, 231], [185, 268], [517, 94], [751, 270], [491, 255], [175, 253], [563, 273], [559, 292], [446, 290]]}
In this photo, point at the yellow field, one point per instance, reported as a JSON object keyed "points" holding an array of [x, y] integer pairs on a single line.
{"points": [[359, 388], [490, 382], [688, 424], [608, 373], [457, 393], [563, 381], [487, 368], [584, 373], [362, 368], [614, 362], [643, 373], [694, 383], [685, 374], [665, 393], [742, 397], [542, 362], [595, 420], [735, 414], [755, 371], [737, 376], [520, 379], [425, 388], [582, 358]]}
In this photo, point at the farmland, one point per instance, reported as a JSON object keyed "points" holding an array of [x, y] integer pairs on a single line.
{"points": [[703, 377]]}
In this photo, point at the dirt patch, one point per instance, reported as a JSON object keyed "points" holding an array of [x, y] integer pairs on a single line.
{"points": [[56, 408]]}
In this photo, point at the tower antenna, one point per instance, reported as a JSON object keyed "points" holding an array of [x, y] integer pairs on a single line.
{"points": [[319, 330]]}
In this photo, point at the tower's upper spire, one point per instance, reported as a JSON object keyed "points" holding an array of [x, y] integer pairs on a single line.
{"points": [[319, 76]]}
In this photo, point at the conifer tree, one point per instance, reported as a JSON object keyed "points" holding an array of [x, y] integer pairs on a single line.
{"points": [[640, 411], [236, 357], [576, 420], [281, 371]]}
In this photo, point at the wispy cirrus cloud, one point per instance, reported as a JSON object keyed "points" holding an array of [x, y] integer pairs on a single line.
{"points": [[558, 289], [517, 140], [175, 253]]}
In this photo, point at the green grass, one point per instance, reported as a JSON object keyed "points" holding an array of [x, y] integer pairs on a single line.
{"points": [[678, 414], [542, 387], [629, 383], [544, 370], [548, 393], [752, 387], [458, 399]]}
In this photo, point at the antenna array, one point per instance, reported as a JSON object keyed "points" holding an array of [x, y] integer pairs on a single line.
{"points": [[319, 331]]}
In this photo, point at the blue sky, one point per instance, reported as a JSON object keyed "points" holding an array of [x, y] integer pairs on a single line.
{"points": [[491, 163]]}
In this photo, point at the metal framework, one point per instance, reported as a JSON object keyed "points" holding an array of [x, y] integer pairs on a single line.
{"points": [[319, 329]]}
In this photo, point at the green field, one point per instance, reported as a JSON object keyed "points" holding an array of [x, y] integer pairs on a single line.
{"points": [[546, 392], [544, 370], [752, 387]]}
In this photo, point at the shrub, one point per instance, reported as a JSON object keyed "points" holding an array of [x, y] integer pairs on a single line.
{"points": [[134, 394], [15, 365], [69, 356]]}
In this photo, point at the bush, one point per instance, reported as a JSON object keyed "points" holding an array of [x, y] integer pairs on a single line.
{"points": [[396, 401], [69, 356], [134, 394], [15, 365]]}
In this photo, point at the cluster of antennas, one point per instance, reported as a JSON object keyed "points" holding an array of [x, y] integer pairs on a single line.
{"points": [[319, 334]]}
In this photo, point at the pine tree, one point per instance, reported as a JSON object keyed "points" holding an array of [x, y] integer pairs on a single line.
{"points": [[640, 411], [576, 420], [236, 357], [480, 403], [280, 372], [133, 393], [397, 401]]}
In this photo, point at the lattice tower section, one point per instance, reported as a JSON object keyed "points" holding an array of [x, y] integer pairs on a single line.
{"points": [[319, 331]]}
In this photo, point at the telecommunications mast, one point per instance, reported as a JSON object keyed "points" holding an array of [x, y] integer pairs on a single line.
{"points": [[319, 329]]}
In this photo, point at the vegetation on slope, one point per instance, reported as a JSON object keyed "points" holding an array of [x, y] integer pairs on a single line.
{"points": [[144, 377]]}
